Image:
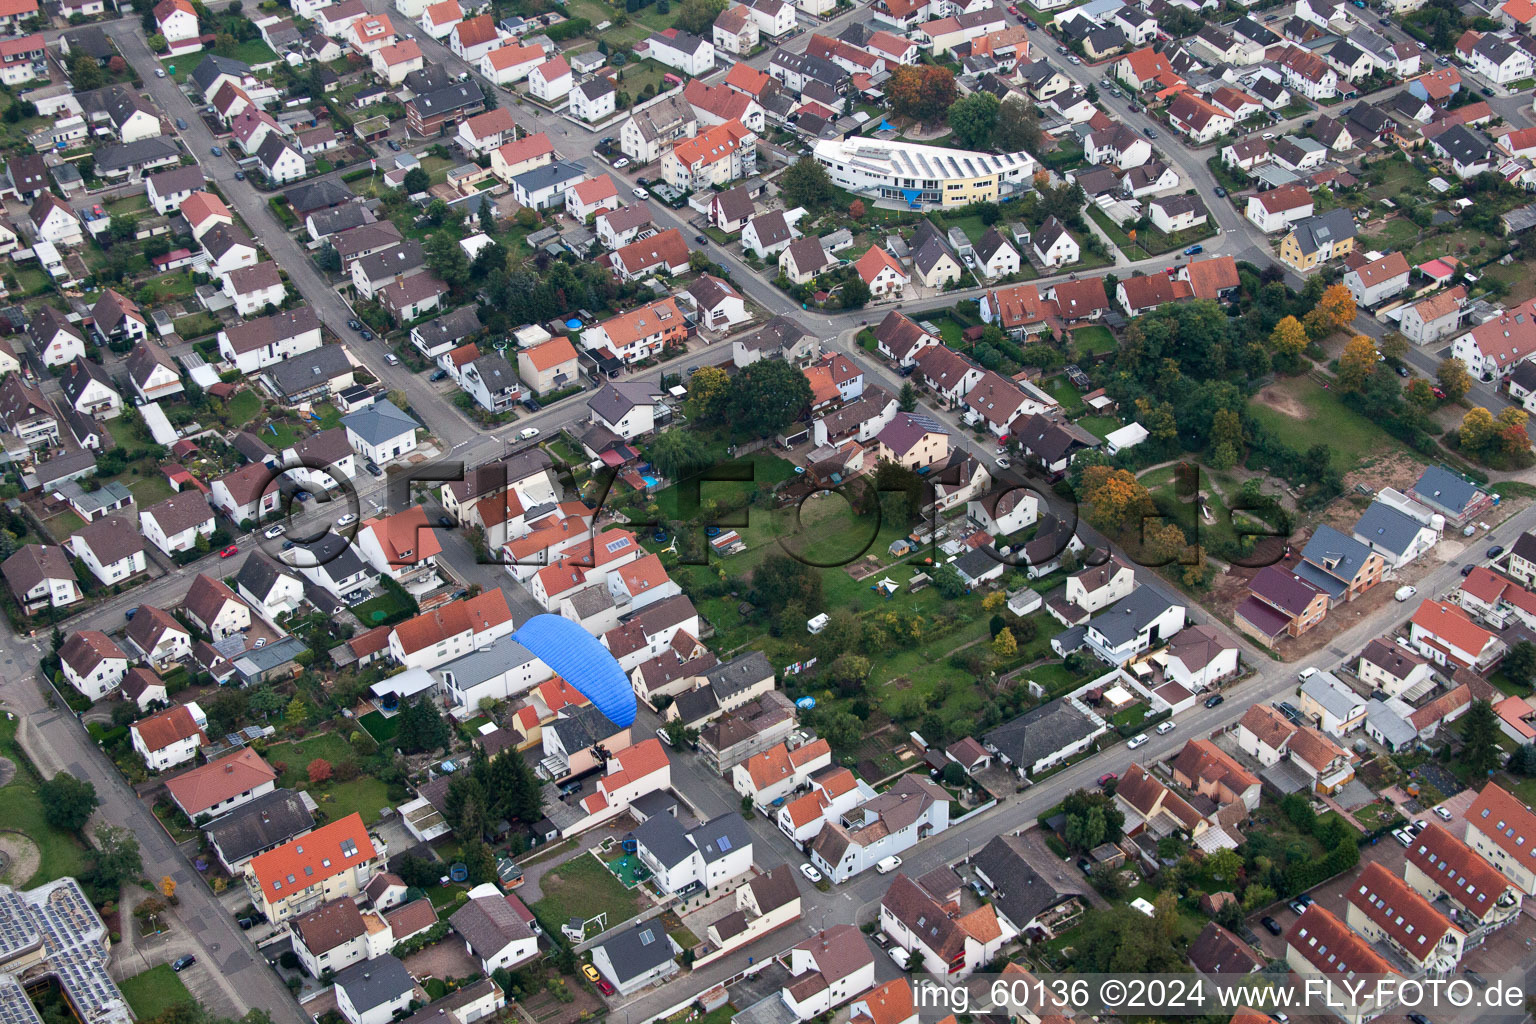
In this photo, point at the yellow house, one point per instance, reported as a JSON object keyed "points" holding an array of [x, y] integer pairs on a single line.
{"points": [[1318, 239]]}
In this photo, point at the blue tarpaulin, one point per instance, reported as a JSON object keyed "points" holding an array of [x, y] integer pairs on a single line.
{"points": [[577, 657], [886, 126]]}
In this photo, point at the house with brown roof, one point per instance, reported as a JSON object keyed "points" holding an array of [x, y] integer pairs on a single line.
{"points": [[215, 609], [171, 737], [146, 689], [1269, 737], [770, 774], [1437, 865], [1198, 657], [1150, 806], [937, 934], [803, 259], [1204, 768], [664, 253], [174, 524], [157, 637], [222, 785], [995, 402], [110, 547], [830, 967], [1321, 946], [1503, 830], [1144, 292], [452, 630], [93, 663], [1383, 908], [336, 934], [889, 824], [40, 576], [1213, 278], [1217, 951], [1280, 603]]}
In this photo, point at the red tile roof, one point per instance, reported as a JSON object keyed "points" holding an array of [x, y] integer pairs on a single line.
{"points": [[171, 726], [197, 790], [1331, 947]]}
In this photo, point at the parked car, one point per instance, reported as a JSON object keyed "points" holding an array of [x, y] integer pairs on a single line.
{"points": [[1306, 673], [438, 374], [394, 145], [605, 987], [445, 522], [1404, 593], [1301, 903], [159, 72], [181, 125], [1136, 741], [1402, 836], [391, 359], [347, 520], [591, 973], [372, 467], [888, 864], [183, 962], [1496, 551], [365, 334], [1214, 699], [1107, 778], [701, 239], [230, 552], [1164, 728], [1003, 462], [1220, 192], [1271, 925], [621, 163], [1402, 371], [1194, 250], [239, 175], [528, 433], [1442, 814], [640, 193], [882, 940], [216, 151], [1466, 570], [810, 872], [900, 956], [1151, 133], [1418, 826], [356, 325]]}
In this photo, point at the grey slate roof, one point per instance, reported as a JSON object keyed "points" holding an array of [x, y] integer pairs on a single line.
{"points": [[640, 949], [1039, 732], [1325, 229], [665, 838], [1124, 619], [265, 822], [619, 397], [375, 982], [1463, 145], [738, 674], [1386, 527], [450, 328], [309, 369], [378, 422], [720, 836], [124, 156], [1020, 892], [212, 66], [489, 924], [318, 195], [1331, 559], [1330, 693], [555, 174], [1442, 489]]}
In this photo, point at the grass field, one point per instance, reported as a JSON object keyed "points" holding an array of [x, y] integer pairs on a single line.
{"points": [[1099, 425], [1092, 340], [584, 888], [1307, 415], [379, 727], [148, 489], [376, 611], [243, 408], [1061, 389], [296, 755], [154, 991], [22, 811]]}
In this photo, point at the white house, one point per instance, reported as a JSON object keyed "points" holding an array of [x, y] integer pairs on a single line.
{"points": [[171, 737], [551, 81], [510, 64], [110, 547], [257, 344], [682, 51], [705, 856], [372, 992], [380, 432], [215, 609], [594, 99], [93, 663], [174, 524], [1054, 245], [493, 930]]}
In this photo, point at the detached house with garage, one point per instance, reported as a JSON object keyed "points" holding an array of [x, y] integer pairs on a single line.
{"points": [[260, 343], [1376, 281], [1447, 636], [175, 524]]}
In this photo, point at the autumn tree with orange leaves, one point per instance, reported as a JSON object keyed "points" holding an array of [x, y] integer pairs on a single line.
{"points": [[1358, 362], [922, 93], [1115, 499]]}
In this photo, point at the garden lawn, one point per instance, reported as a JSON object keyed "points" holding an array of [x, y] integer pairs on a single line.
{"points": [[376, 611], [154, 991], [253, 52], [21, 811], [148, 489], [1100, 426], [243, 408], [1350, 437], [379, 726], [1061, 389], [296, 755], [366, 796], [1093, 340], [1457, 243], [1394, 234], [584, 888]]}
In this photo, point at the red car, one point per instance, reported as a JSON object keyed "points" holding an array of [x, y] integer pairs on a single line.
{"points": [[1107, 778], [1437, 391], [230, 552], [1013, 10], [605, 986]]}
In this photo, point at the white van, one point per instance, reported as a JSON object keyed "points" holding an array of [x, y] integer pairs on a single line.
{"points": [[888, 865], [1306, 673], [1404, 593], [528, 433]]}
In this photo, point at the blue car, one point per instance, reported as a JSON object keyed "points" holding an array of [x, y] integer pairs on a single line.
{"points": [[1194, 250], [216, 151]]}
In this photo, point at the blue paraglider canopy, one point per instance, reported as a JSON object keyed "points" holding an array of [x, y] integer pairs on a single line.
{"points": [[576, 656]]}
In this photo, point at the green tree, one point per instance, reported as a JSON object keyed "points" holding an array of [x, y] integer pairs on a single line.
{"points": [[422, 727], [842, 729], [707, 387], [1004, 645], [849, 673], [446, 258], [67, 801], [947, 581], [908, 398], [1520, 663], [1017, 128], [697, 16], [328, 259], [679, 453], [85, 74], [767, 396], [1453, 378], [973, 119], [486, 215], [480, 861], [1480, 734], [297, 712], [266, 701], [806, 183], [157, 43], [118, 859], [415, 181]]}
